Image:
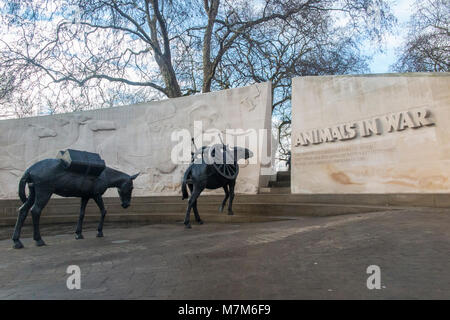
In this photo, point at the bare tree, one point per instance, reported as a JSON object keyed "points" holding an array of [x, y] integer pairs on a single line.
{"points": [[427, 46], [78, 54]]}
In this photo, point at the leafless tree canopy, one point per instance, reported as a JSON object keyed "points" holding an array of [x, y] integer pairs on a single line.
{"points": [[77, 54], [427, 47]]}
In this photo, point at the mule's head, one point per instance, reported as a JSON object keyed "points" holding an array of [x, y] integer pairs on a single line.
{"points": [[242, 153], [125, 190]]}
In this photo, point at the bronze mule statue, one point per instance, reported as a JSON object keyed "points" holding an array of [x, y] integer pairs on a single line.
{"points": [[203, 174], [50, 176]]}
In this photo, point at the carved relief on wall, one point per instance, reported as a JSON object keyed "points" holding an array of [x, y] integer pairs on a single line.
{"points": [[131, 138]]}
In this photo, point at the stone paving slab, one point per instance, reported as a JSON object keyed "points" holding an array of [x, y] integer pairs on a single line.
{"points": [[304, 258]]}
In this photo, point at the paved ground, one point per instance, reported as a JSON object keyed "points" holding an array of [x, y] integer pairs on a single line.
{"points": [[305, 258]]}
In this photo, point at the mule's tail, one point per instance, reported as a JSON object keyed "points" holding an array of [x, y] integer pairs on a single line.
{"points": [[183, 184], [22, 183], [184, 190]]}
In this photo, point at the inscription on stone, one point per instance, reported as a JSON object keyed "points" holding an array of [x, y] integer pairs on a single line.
{"points": [[343, 154], [365, 128]]}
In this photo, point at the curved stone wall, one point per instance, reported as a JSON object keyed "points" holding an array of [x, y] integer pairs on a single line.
{"points": [[136, 138]]}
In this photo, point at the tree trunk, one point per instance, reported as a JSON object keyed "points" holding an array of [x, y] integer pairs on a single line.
{"points": [[169, 77], [163, 57], [208, 67]]}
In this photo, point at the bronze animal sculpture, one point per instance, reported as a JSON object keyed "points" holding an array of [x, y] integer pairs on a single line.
{"points": [[51, 176], [207, 174]]}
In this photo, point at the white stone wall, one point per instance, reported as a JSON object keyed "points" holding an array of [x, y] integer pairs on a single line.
{"points": [[411, 157], [135, 138]]}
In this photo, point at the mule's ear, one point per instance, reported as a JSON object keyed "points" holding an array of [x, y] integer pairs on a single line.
{"points": [[134, 176]]}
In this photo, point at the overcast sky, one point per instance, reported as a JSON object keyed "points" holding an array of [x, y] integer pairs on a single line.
{"points": [[381, 61]]}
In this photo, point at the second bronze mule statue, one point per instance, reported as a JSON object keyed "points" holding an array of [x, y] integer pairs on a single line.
{"points": [[202, 175], [50, 176]]}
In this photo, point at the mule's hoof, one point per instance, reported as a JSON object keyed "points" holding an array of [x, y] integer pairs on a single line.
{"points": [[78, 236], [200, 222], [220, 209], [187, 226], [100, 234], [230, 213], [17, 244], [40, 243]]}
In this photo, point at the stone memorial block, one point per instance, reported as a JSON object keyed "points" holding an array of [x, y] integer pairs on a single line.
{"points": [[386, 133]]}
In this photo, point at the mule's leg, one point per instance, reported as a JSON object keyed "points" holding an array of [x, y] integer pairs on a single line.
{"points": [[23, 211], [41, 199], [194, 195], [78, 232], [101, 206], [187, 223], [230, 203], [197, 216], [224, 202], [194, 207]]}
